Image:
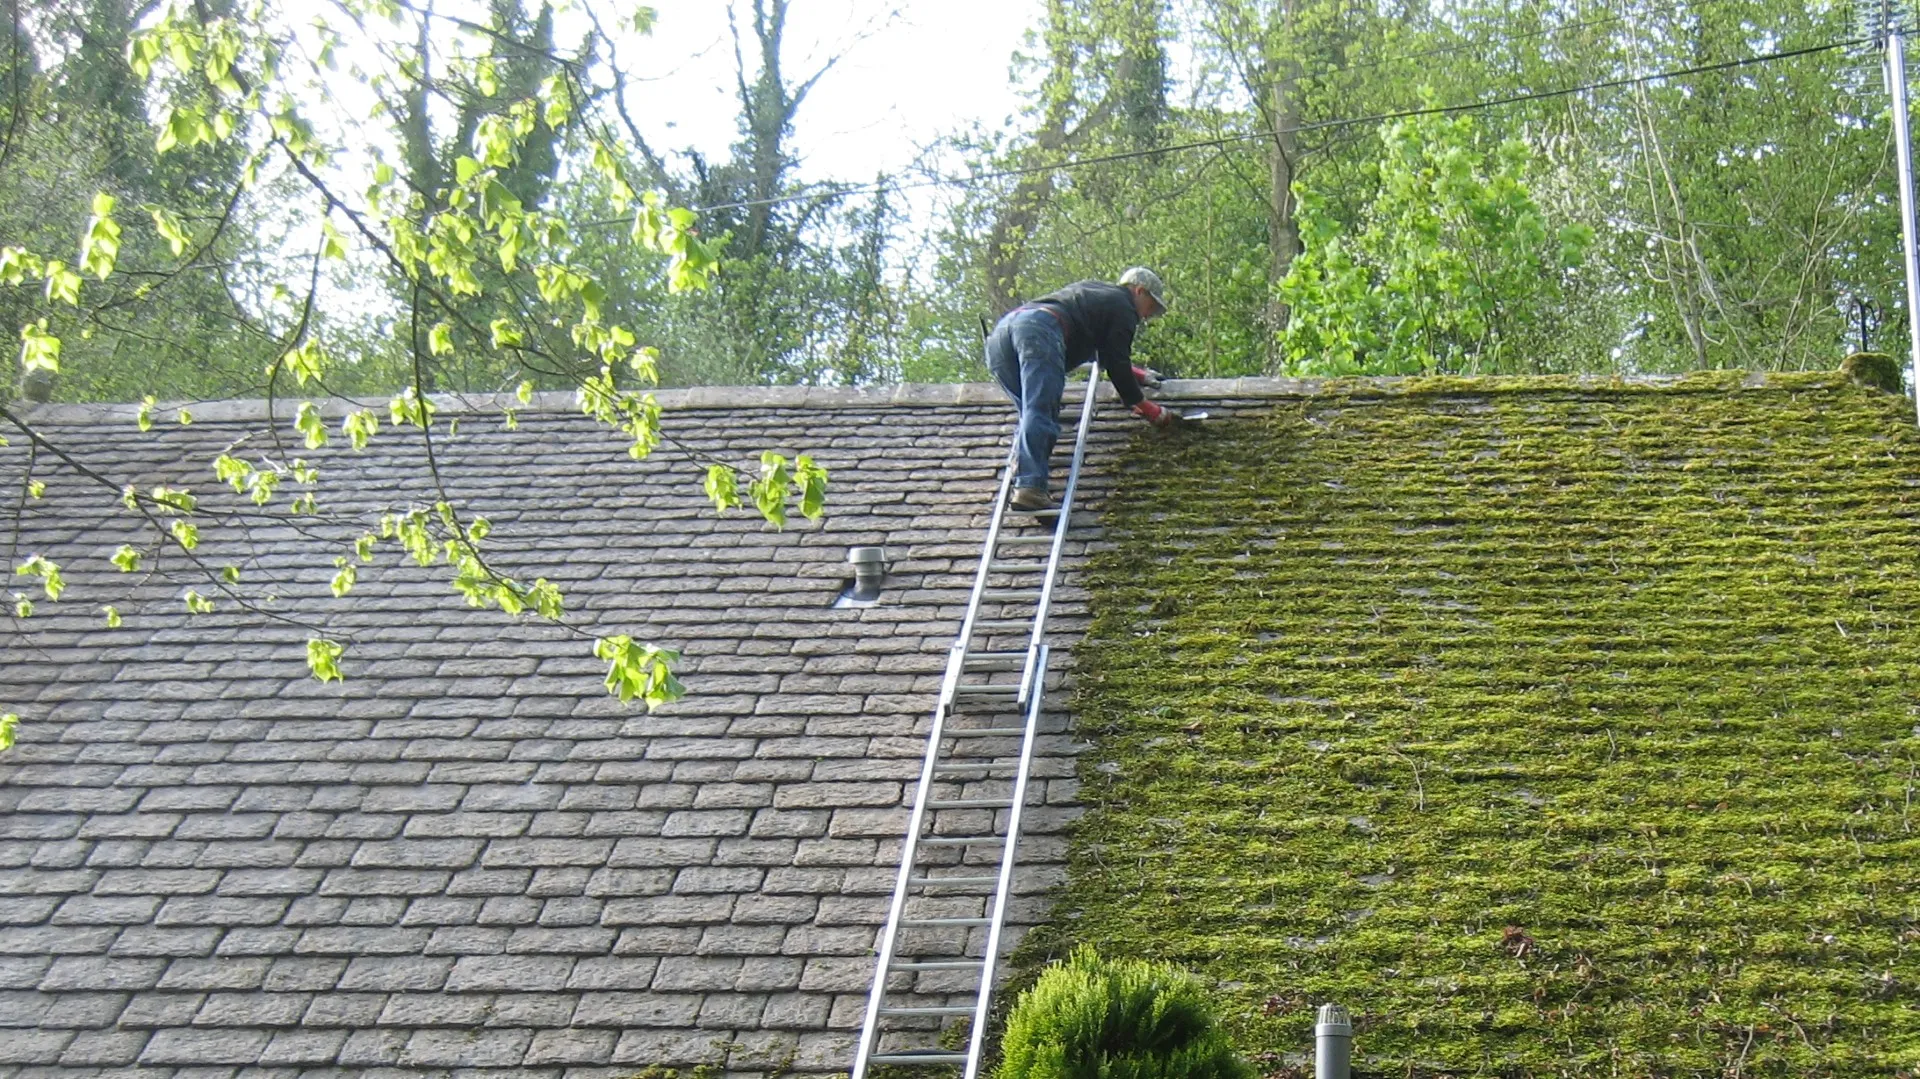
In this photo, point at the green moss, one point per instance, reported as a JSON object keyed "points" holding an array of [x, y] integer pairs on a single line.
{"points": [[1556, 729], [1875, 369]]}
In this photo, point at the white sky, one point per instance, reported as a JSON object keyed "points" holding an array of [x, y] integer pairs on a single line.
{"points": [[936, 67]]}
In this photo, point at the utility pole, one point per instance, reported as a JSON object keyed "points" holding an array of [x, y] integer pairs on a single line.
{"points": [[1884, 21]]}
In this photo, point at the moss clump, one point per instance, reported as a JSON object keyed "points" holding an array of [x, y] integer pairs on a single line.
{"points": [[1556, 732], [1875, 369], [1090, 1018]]}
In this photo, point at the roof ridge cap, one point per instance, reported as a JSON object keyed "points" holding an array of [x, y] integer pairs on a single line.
{"points": [[943, 393]]}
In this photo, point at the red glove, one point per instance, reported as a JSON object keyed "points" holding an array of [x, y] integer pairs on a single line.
{"points": [[1146, 376], [1154, 414]]}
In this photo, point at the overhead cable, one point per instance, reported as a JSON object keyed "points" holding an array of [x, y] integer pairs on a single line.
{"points": [[1254, 136]]}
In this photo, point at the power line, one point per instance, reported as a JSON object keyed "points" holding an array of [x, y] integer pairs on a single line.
{"points": [[1545, 31], [1252, 136]]}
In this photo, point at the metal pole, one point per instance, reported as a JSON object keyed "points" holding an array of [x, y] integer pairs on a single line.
{"points": [[1903, 153], [1333, 1043]]}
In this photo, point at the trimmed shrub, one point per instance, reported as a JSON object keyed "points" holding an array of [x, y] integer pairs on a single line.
{"points": [[1090, 1018]]}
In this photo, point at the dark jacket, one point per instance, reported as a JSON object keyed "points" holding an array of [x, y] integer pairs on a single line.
{"points": [[1100, 320]]}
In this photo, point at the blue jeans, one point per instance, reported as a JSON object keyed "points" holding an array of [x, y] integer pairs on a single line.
{"points": [[1027, 353]]}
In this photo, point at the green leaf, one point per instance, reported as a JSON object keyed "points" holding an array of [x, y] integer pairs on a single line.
{"points": [[332, 244], [360, 426], [39, 350], [185, 418], [525, 391], [127, 558], [113, 616], [17, 264], [344, 578], [440, 339], [170, 229], [505, 334], [478, 529], [409, 407], [144, 418], [172, 500], [323, 659], [186, 533], [363, 548], [230, 574], [307, 361], [197, 603], [546, 600], [812, 480], [308, 422], [62, 283], [8, 724], [723, 487], [101, 245], [769, 491], [638, 670], [49, 573], [35, 488], [233, 472], [22, 605]]}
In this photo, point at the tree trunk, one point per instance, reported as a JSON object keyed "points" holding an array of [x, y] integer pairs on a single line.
{"points": [[1283, 225]]}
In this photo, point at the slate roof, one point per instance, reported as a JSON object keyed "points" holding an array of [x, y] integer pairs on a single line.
{"points": [[1552, 729], [468, 859]]}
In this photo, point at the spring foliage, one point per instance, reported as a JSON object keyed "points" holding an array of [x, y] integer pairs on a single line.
{"points": [[1454, 268], [1092, 1018]]}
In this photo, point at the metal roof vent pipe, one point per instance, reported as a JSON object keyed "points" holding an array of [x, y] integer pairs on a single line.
{"points": [[869, 575], [1333, 1049]]}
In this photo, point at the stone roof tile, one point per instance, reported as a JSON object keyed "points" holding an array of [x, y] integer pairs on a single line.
{"points": [[468, 855]]}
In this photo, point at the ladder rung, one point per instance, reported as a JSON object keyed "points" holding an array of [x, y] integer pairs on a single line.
{"points": [[930, 1057], [1011, 595], [937, 1009], [935, 964], [977, 803], [1003, 625], [965, 769], [930, 923], [953, 880], [963, 841], [1011, 690], [987, 732], [1016, 567], [1026, 541], [996, 661]]}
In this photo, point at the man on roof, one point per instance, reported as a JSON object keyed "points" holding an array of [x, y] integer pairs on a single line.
{"points": [[1033, 347]]}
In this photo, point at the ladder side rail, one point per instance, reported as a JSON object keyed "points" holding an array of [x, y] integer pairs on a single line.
{"points": [[997, 920], [1029, 679], [909, 852], [986, 555]]}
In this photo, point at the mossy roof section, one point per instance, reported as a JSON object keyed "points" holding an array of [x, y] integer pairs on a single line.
{"points": [[1554, 729]]}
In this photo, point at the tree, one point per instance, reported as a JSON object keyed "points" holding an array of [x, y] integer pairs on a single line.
{"points": [[483, 270], [1457, 268]]}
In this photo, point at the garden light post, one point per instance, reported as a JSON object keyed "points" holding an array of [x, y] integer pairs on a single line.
{"points": [[1884, 23], [1903, 153], [1333, 1043]]}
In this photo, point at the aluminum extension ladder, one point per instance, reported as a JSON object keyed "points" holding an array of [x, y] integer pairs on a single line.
{"points": [[943, 934]]}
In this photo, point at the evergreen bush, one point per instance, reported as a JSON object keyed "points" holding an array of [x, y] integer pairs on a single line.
{"points": [[1091, 1018]]}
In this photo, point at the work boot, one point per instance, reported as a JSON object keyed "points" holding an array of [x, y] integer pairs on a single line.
{"points": [[1032, 500]]}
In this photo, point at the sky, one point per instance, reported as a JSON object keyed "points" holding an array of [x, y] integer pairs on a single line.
{"points": [[901, 82]]}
